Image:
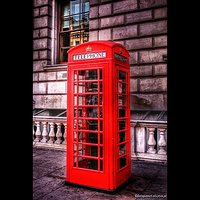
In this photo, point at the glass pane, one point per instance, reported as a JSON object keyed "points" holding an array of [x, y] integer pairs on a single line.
{"points": [[91, 87], [101, 113], [122, 149], [122, 124], [75, 7], [101, 125], [88, 137], [122, 162], [101, 165], [83, 124], [81, 88], [66, 10], [75, 135], [85, 6], [122, 75], [82, 100], [122, 136], [65, 39], [93, 138], [80, 149], [85, 21], [101, 138], [92, 99], [88, 164], [122, 112], [80, 124], [121, 100], [75, 101], [85, 36], [74, 38], [64, 55], [75, 21], [92, 125], [75, 160], [101, 87], [65, 25], [92, 112], [101, 152], [75, 75], [88, 75], [121, 87]]}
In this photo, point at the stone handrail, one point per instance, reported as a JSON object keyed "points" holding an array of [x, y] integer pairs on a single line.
{"points": [[148, 138]]}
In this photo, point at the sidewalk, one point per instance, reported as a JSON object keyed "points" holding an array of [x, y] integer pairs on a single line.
{"points": [[149, 180]]}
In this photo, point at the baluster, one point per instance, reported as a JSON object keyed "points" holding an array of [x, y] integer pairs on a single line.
{"points": [[45, 133], [64, 135], [33, 131], [162, 142], [38, 133], [59, 134], [151, 141], [51, 133]]}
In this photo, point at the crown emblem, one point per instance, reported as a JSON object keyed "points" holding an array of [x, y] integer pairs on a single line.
{"points": [[88, 48]]}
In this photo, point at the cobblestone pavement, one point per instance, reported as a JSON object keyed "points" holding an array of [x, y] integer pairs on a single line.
{"points": [[148, 182]]}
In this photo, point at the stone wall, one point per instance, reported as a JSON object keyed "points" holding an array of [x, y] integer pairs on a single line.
{"points": [[139, 25]]}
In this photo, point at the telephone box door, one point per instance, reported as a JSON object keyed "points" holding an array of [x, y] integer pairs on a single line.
{"points": [[86, 138]]}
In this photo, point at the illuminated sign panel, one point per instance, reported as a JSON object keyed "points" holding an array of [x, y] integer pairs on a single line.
{"points": [[89, 56]]}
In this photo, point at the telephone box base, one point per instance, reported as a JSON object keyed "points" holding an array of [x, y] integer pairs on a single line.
{"points": [[120, 187]]}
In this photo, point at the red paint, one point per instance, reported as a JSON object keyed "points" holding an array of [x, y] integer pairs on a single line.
{"points": [[98, 115]]}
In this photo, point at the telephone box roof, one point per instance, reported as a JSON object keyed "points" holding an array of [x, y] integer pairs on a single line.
{"points": [[108, 43]]}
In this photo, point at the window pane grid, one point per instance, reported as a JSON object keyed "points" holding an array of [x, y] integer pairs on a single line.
{"points": [[88, 119], [74, 25]]}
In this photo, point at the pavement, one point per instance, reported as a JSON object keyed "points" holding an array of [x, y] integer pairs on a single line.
{"points": [[148, 181]]}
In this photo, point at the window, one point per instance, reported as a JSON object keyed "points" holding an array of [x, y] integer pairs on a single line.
{"points": [[73, 25]]}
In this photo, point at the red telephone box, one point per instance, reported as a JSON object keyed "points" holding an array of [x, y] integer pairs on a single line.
{"points": [[98, 115]]}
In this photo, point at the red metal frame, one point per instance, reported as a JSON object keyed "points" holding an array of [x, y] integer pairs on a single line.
{"points": [[98, 115]]}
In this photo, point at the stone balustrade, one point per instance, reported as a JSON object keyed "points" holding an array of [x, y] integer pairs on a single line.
{"points": [[148, 138]]}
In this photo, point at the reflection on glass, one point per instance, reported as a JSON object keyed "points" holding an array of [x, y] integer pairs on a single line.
{"points": [[66, 10], [92, 124], [74, 7], [85, 6], [92, 112], [121, 100], [122, 149], [75, 136], [91, 87], [66, 27], [88, 74], [88, 164], [75, 160], [121, 87], [92, 100]]}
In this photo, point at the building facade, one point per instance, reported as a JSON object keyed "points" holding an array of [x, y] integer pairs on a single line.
{"points": [[139, 25]]}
